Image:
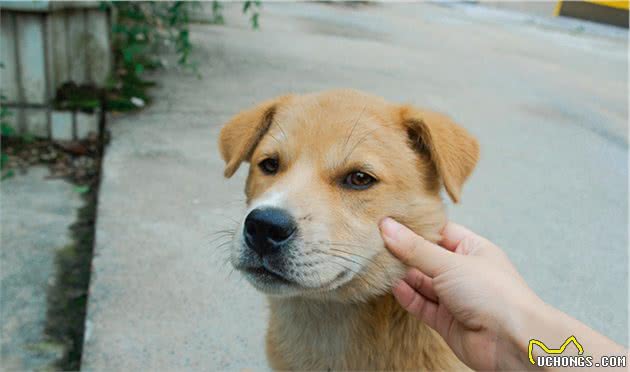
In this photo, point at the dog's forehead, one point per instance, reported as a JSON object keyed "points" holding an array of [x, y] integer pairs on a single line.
{"points": [[332, 118]]}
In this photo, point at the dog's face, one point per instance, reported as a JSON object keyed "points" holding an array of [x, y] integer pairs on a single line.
{"points": [[324, 170]]}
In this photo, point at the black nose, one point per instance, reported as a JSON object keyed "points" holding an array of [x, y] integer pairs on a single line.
{"points": [[268, 229]]}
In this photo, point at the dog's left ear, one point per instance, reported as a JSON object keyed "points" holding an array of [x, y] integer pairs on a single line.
{"points": [[241, 134], [453, 151]]}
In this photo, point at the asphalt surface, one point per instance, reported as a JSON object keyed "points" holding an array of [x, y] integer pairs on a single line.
{"points": [[547, 100]]}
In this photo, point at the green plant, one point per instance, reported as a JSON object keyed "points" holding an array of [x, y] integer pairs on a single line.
{"points": [[253, 6], [6, 173], [140, 32], [5, 127], [217, 12], [81, 189], [6, 130], [70, 96]]}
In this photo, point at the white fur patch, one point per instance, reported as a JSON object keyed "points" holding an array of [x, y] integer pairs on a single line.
{"points": [[273, 199]]}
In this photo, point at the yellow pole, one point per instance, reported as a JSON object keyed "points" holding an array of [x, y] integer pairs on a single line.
{"points": [[556, 11]]}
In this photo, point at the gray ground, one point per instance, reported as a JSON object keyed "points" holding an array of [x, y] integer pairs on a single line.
{"points": [[35, 215], [547, 101]]}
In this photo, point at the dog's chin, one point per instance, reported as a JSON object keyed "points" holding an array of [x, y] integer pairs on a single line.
{"points": [[276, 285], [269, 283]]}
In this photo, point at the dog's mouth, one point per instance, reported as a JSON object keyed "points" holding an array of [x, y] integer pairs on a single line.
{"points": [[266, 276]]}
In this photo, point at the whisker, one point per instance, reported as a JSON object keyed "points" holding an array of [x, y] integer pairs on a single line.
{"points": [[346, 259], [357, 274], [274, 138], [282, 130], [223, 231], [353, 127], [220, 234], [361, 140], [369, 259], [223, 245]]}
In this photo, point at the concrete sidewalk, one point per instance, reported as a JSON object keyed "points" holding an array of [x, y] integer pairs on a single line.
{"points": [[36, 215], [548, 105]]}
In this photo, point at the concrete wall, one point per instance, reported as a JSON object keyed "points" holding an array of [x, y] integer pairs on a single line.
{"points": [[43, 45]]}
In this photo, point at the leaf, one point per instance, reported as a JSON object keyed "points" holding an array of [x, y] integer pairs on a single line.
{"points": [[6, 130], [81, 189], [4, 159], [10, 173], [255, 24], [4, 112], [28, 138], [119, 28], [131, 51], [139, 68]]}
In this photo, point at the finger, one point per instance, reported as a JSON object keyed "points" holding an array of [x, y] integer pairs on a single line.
{"points": [[453, 234], [421, 283], [460, 240], [414, 250], [416, 304]]}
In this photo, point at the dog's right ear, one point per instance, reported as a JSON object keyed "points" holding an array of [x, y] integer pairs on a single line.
{"points": [[241, 134], [453, 151]]}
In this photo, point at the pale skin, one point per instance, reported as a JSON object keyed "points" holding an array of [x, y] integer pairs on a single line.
{"points": [[468, 291]]}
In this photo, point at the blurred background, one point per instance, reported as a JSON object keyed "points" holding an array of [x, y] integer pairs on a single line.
{"points": [[112, 195]]}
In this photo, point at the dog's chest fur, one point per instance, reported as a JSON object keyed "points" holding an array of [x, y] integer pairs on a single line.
{"points": [[326, 335]]}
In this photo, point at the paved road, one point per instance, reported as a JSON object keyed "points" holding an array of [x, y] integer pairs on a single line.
{"points": [[547, 101]]}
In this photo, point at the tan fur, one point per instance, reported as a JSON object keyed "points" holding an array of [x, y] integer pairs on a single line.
{"points": [[376, 335], [243, 132], [341, 314], [453, 151]]}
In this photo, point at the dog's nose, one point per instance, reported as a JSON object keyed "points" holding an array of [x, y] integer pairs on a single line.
{"points": [[268, 229]]}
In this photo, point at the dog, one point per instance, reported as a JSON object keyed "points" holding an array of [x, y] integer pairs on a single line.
{"points": [[325, 168]]}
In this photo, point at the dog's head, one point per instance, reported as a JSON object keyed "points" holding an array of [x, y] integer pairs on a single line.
{"points": [[325, 169]]}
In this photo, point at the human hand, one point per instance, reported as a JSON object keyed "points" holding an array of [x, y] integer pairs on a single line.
{"points": [[467, 290]]}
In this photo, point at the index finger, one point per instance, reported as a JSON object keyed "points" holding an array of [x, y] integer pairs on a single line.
{"points": [[453, 234], [414, 250]]}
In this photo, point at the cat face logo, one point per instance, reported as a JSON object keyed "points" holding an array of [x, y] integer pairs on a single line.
{"points": [[547, 350]]}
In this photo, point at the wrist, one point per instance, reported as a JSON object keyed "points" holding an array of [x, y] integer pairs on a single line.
{"points": [[520, 326]]}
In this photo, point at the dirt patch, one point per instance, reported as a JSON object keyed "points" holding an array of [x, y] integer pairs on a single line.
{"points": [[75, 161], [67, 298]]}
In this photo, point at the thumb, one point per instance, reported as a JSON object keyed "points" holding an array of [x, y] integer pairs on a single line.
{"points": [[412, 249]]}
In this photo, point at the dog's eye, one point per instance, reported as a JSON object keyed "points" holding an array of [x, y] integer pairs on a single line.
{"points": [[358, 180], [269, 166]]}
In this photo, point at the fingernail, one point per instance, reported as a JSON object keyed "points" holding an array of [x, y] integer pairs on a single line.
{"points": [[390, 228]]}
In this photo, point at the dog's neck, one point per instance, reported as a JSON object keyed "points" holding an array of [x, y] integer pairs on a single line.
{"points": [[317, 334]]}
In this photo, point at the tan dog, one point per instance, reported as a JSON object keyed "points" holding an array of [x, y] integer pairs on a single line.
{"points": [[325, 169]]}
